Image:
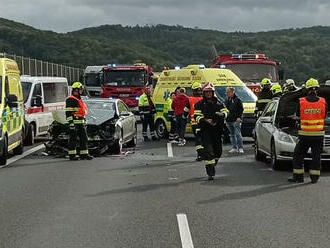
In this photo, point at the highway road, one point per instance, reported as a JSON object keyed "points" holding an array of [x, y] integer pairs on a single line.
{"points": [[155, 196]]}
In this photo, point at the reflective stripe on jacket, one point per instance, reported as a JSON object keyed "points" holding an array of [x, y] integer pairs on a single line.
{"points": [[312, 116]]}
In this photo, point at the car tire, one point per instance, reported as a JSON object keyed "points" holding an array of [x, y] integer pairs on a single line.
{"points": [[133, 141], [118, 146], [3, 158], [29, 140], [258, 155], [161, 129], [275, 163]]}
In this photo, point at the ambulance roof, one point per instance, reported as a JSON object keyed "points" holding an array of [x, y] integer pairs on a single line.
{"points": [[192, 73]]}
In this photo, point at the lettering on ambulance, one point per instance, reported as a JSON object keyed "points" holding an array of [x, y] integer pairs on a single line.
{"points": [[196, 78]]}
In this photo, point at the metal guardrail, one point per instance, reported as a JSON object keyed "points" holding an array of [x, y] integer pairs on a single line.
{"points": [[34, 67]]}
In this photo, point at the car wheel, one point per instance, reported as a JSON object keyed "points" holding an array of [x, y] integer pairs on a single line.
{"points": [[275, 163], [3, 158], [258, 155], [29, 140], [161, 129], [118, 146], [133, 141], [19, 150]]}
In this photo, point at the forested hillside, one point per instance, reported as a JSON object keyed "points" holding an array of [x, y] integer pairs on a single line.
{"points": [[303, 52]]}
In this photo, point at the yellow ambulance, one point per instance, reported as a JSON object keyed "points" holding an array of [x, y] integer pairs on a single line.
{"points": [[11, 110], [169, 80]]}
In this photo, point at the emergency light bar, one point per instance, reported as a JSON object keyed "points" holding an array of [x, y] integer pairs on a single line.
{"points": [[249, 56]]}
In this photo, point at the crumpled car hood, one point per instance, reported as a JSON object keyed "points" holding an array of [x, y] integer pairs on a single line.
{"points": [[94, 117]]}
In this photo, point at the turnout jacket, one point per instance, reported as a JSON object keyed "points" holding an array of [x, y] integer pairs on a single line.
{"points": [[146, 105], [75, 110], [265, 96], [214, 110]]}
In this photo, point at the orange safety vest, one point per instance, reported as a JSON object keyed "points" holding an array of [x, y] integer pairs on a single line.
{"points": [[312, 116], [192, 101], [83, 110]]}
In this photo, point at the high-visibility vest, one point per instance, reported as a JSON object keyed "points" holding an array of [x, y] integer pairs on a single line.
{"points": [[83, 110], [312, 116], [192, 101]]}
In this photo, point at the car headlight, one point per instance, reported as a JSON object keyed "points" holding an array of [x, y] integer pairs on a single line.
{"points": [[284, 137]]}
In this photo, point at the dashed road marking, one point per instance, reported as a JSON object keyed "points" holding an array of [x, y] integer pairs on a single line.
{"points": [[25, 153], [169, 150], [184, 230]]}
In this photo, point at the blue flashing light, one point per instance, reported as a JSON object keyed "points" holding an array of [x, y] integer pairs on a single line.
{"points": [[222, 66], [112, 65], [137, 98], [202, 67], [177, 68]]}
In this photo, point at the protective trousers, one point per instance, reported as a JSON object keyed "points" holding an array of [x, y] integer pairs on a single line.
{"points": [[198, 140], [301, 149], [148, 120], [212, 143], [78, 130]]}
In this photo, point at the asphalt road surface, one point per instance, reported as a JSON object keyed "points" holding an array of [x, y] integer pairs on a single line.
{"points": [[147, 198]]}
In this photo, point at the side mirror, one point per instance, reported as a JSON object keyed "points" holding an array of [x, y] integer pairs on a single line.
{"points": [[12, 101], [281, 74], [36, 101], [266, 119], [124, 113]]}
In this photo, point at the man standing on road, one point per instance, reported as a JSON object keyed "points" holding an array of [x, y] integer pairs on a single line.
{"points": [[173, 135], [312, 111], [147, 111], [179, 107], [234, 120], [210, 115], [265, 96], [76, 111], [195, 98]]}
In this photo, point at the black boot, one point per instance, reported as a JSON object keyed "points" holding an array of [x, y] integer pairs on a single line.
{"points": [[73, 158], [154, 138], [146, 139], [314, 178], [210, 178], [199, 158], [296, 178], [86, 157]]}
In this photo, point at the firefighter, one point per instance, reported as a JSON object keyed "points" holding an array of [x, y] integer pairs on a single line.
{"points": [[147, 111], [312, 112], [276, 90], [76, 111], [289, 85], [265, 96], [195, 98], [210, 115]]}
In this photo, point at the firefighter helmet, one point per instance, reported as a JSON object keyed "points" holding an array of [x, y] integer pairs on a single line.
{"points": [[265, 81], [196, 86], [276, 88], [77, 85], [208, 87], [312, 83], [289, 82]]}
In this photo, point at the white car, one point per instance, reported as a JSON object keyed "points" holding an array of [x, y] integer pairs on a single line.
{"points": [[276, 136]]}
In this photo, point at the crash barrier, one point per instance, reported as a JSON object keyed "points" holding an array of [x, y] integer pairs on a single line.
{"points": [[34, 67]]}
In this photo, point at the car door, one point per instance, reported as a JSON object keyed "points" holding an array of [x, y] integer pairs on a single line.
{"points": [[266, 127], [124, 116]]}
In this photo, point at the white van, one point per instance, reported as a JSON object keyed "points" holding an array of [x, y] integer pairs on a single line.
{"points": [[42, 95]]}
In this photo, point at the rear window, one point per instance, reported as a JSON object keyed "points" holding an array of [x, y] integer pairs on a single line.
{"points": [[55, 92], [26, 86]]}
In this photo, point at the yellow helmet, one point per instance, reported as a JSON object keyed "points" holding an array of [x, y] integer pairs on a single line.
{"points": [[311, 83], [77, 85], [196, 86], [265, 81], [276, 88]]}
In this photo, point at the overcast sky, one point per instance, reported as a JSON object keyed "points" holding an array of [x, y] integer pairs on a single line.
{"points": [[225, 15]]}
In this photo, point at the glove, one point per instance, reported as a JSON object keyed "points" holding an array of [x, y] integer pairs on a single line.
{"points": [[142, 117], [71, 126]]}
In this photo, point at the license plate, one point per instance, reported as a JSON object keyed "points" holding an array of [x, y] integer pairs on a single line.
{"points": [[124, 95]]}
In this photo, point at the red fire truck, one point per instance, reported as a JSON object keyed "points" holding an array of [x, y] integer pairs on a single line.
{"points": [[250, 68], [126, 82]]}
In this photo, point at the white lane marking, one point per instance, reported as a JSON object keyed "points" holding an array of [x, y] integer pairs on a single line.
{"points": [[169, 150], [25, 153], [185, 235]]}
